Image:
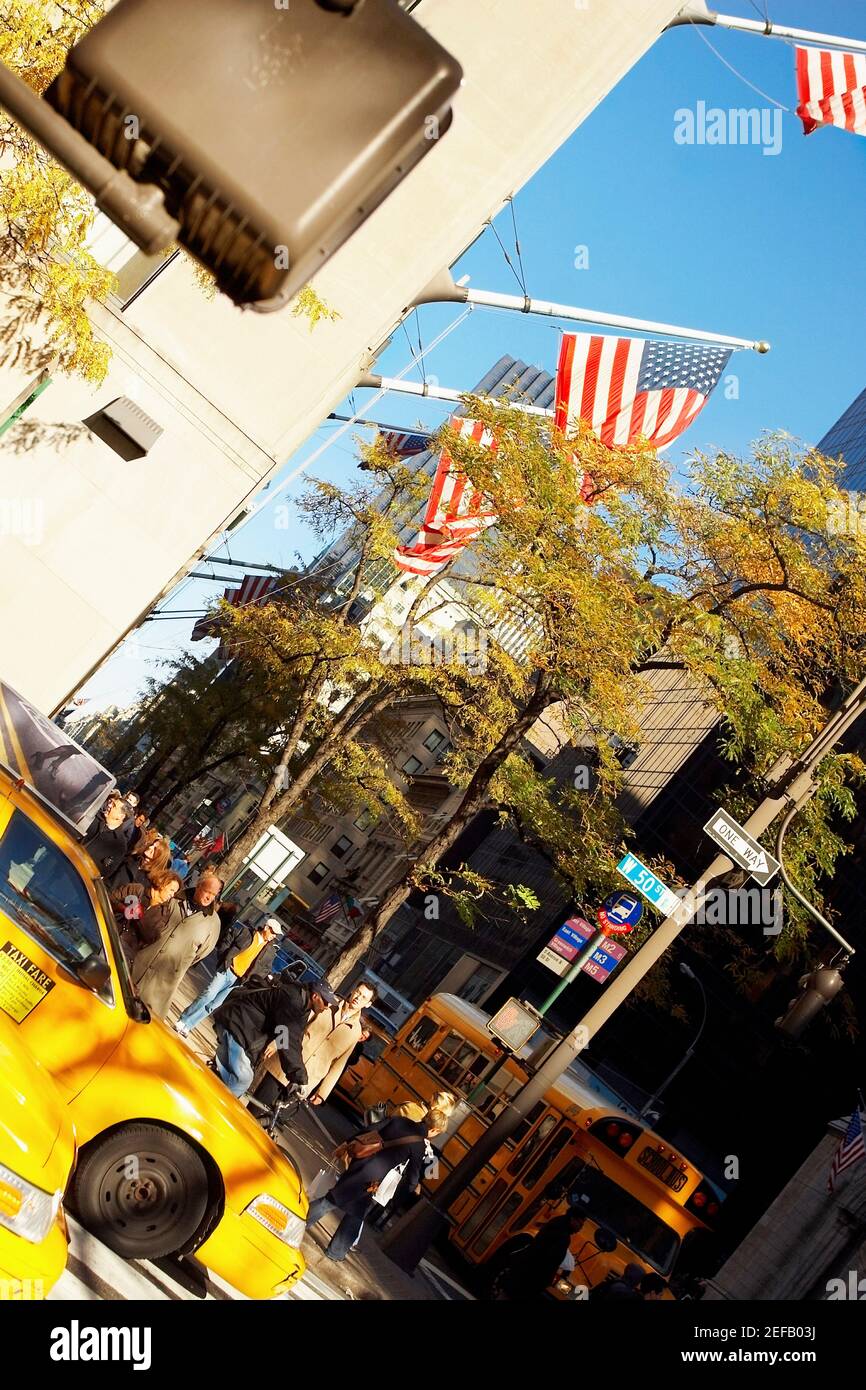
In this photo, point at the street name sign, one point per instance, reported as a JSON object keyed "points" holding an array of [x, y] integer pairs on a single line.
{"points": [[740, 846], [646, 882]]}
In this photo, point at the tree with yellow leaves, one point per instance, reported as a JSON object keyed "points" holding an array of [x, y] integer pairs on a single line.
{"points": [[49, 275]]}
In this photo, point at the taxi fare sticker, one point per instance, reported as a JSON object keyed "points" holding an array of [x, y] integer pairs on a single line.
{"points": [[22, 984]]}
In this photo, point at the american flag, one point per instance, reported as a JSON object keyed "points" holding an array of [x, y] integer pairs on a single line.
{"points": [[254, 589], [328, 908], [455, 513], [404, 445], [625, 388], [831, 87], [850, 1149]]}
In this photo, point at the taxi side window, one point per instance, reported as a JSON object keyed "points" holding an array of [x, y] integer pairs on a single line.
{"points": [[44, 894]]}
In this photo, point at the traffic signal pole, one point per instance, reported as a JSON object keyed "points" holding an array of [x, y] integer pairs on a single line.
{"points": [[792, 784]]}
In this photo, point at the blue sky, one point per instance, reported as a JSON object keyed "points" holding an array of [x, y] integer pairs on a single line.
{"points": [[720, 237]]}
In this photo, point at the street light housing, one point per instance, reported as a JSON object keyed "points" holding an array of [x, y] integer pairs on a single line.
{"points": [[270, 130]]}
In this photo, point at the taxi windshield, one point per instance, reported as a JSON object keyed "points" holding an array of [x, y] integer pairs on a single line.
{"points": [[43, 892]]}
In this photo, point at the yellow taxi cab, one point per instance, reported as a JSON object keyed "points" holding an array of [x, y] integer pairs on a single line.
{"points": [[170, 1163], [37, 1152]]}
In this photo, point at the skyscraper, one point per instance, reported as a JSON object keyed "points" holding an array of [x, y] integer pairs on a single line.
{"points": [[848, 438]]}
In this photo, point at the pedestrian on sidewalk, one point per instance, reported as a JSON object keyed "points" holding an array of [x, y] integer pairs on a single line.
{"points": [[107, 843], [533, 1268], [160, 967], [250, 953], [355, 1191], [146, 911], [138, 863], [260, 1011], [443, 1102], [330, 1041]]}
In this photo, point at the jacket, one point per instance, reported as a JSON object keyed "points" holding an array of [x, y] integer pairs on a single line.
{"points": [[160, 967], [253, 1013], [108, 848], [242, 939], [153, 921], [352, 1193]]}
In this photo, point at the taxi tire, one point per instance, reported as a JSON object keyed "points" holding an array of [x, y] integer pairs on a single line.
{"points": [[173, 1157]]}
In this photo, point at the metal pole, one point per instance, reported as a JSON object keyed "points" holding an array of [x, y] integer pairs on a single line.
{"points": [[526, 305], [436, 393], [690, 1052], [443, 290], [139, 209], [697, 13]]}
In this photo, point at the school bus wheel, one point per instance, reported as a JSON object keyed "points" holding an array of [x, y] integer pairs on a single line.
{"points": [[142, 1190]]}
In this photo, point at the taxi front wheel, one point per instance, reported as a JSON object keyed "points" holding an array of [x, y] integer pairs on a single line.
{"points": [[143, 1191]]}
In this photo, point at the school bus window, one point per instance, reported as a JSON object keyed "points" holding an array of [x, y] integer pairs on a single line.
{"points": [[526, 1125], [424, 1030], [548, 1157], [524, 1154], [499, 1221], [44, 894], [483, 1210]]}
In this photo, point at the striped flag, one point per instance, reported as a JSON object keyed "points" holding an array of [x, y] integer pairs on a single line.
{"points": [[455, 514], [404, 445], [849, 1150], [831, 87], [328, 908], [254, 589], [625, 388]]}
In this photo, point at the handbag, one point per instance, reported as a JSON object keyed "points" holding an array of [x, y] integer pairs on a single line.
{"points": [[366, 1145]]}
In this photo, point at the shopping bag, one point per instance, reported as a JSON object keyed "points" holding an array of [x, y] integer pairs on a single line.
{"points": [[389, 1184]]}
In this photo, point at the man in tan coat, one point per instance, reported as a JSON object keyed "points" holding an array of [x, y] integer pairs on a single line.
{"points": [[329, 1041], [159, 968]]}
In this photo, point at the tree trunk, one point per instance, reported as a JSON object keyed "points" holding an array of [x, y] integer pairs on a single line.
{"points": [[472, 801], [357, 714]]}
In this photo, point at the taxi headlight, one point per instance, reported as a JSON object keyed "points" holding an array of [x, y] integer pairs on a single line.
{"points": [[277, 1219], [25, 1209]]}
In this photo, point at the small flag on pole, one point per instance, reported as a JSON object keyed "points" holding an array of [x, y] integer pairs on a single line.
{"points": [[627, 388], [404, 445], [255, 589], [328, 908], [455, 514], [850, 1149], [831, 88]]}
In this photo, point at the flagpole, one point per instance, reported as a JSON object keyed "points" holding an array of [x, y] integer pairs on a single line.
{"points": [[435, 393], [696, 12], [442, 289]]}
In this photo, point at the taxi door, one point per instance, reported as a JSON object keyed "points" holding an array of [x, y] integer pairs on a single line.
{"points": [[51, 931]]}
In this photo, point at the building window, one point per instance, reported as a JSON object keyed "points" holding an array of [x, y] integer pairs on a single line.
{"points": [[412, 765], [318, 873], [364, 821], [434, 740], [341, 848]]}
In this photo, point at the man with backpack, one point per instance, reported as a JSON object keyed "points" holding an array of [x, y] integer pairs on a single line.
{"points": [[259, 1011]]}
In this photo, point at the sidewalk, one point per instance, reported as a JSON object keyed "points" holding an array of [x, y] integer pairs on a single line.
{"points": [[309, 1141]]}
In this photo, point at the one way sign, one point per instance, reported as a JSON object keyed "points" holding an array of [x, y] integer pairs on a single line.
{"points": [[739, 845]]}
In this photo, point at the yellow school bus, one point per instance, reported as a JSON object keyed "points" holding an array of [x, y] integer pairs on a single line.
{"points": [[642, 1199]]}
